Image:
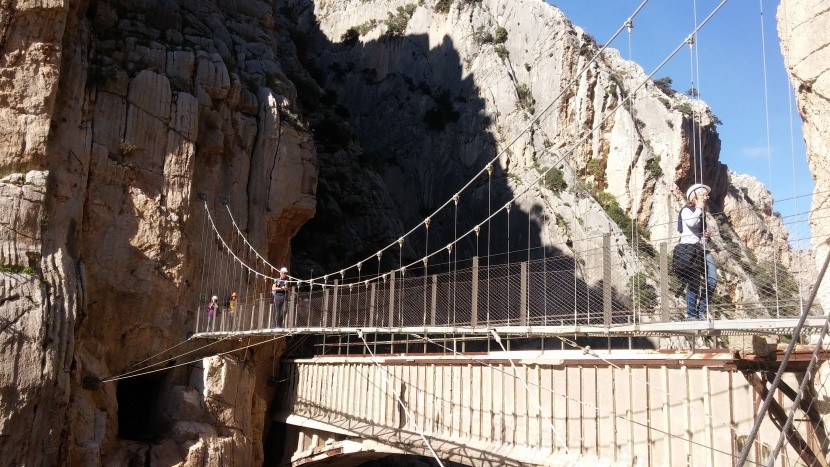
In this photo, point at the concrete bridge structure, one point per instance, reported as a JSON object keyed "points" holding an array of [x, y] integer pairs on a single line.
{"points": [[547, 360], [542, 407]]}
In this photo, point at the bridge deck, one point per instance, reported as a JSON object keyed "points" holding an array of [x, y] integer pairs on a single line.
{"points": [[772, 326]]}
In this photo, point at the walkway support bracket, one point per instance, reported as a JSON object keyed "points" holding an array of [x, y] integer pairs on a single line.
{"points": [[779, 417]]}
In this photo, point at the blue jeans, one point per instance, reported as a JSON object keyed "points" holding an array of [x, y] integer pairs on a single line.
{"points": [[711, 274], [696, 298], [279, 308]]}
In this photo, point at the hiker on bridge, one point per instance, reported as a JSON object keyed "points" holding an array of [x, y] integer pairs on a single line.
{"points": [[232, 308], [278, 291], [212, 309], [698, 267]]}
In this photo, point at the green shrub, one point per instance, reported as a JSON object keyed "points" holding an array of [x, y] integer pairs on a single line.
{"points": [[692, 92], [653, 168], [443, 6], [350, 36], [15, 269], [526, 99], [615, 213], [501, 35], [482, 36], [685, 108], [555, 180], [664, 85], [396, 24], [594, 168], [501, 51], [364, 28]]}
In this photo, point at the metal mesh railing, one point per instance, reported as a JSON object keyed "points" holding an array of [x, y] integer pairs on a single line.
{"points": [[597, 281], [589, 288]]}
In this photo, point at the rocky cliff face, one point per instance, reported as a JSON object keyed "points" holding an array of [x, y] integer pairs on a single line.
{"points": [[805, 36], [116, 114], [434, 91]]}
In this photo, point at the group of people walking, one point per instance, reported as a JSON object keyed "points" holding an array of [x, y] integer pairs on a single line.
{"points": [[279, 290], [213, 308]]}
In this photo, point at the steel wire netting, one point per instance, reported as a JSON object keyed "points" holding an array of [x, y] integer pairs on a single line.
{"points": [[600, 280], [555, 291]]}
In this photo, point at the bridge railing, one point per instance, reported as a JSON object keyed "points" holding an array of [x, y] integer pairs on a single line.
{"points": [[592, 287]]}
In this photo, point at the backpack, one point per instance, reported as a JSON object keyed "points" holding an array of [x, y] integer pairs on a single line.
{"points": [[687, 258]]}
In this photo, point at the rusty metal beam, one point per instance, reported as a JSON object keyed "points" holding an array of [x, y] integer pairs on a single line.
{"points": [[779, 417]]}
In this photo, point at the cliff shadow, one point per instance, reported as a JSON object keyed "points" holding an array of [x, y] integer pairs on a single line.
{"points": [[400, 128]]}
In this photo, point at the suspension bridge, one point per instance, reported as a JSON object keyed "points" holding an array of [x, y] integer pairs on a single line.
{"points": [[488, 354], [491, 363], [543, 296]]}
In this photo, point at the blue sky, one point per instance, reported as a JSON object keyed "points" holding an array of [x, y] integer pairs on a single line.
{"points": [[730, 54]]}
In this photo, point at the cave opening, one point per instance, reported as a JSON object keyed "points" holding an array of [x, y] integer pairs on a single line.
{"points": [[138, 411]]}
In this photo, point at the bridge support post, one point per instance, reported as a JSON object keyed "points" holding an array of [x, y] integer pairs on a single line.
{"points": [[391, 298], [262, 313], [434, 303], [324, 319], [335, 296], [253, 314], [291, 315], [664, 283], [474, 297], [372, 307], [523, 294], [606, 279]]}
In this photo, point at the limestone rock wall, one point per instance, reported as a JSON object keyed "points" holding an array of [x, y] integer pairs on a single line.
{"points": [[117, 114], [114, 116], [804, 29]]}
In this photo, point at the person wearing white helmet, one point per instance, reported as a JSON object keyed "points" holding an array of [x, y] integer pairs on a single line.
{"points": [[279, 291], [696, 261], [212, 308], [232, 308]]}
